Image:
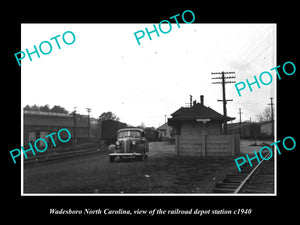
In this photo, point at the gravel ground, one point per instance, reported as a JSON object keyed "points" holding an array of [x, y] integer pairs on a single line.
{"points": [[246, 149], [161, 172]]}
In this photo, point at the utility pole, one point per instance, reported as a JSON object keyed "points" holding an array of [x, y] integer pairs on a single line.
{"points": [[272, 116], [240, 124], [223, 82], [88, 110], [74, 119]]}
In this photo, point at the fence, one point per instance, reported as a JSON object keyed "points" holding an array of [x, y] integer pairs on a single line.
{"points": [[208, 145]]}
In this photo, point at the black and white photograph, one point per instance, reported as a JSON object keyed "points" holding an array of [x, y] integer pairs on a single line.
{"points": [[162, 117]]}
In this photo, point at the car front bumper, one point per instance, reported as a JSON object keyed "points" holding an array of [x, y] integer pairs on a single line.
{"points": [[125, 154]]}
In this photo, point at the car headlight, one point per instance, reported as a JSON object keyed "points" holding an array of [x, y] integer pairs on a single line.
{"points": [[133, 142]]}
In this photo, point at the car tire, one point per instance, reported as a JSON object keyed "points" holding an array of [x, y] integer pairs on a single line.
{"points": [[111, 158], [143, 156]]}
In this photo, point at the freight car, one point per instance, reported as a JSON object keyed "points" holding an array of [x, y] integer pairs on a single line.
{"points": [[109, 129], [152, 134]]}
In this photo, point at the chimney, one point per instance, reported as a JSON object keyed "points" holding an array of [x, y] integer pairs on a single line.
{"points": [[202, 99], [191, 100]]}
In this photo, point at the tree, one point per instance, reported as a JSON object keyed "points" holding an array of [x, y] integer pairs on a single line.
{"points": [[46, 108], [265, 115], [109, 116], [142, 125], [27, 107], [32, 108], [59, 109]]}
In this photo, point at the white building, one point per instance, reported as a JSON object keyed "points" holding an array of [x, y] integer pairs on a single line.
{"points": [[165, 131]]}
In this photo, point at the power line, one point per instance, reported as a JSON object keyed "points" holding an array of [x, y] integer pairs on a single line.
{"points": [[240, 123], [74, 124], [272, 115], [272, 112], [254, 46], [88, 110], [224, 100]]}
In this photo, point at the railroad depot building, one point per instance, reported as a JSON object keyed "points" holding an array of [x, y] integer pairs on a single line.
{"points": [[198, 132]]}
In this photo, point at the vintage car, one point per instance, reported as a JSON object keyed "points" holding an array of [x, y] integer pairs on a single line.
{"points": [[131, 142]]}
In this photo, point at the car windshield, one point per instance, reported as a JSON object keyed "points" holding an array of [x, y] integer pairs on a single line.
{"points": [[129, 133]]}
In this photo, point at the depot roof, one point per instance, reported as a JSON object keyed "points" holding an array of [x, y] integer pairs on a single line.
{"points": [[197, 111]]}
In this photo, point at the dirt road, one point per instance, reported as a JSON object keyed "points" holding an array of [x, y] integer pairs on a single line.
{"points": [[161, 172]]}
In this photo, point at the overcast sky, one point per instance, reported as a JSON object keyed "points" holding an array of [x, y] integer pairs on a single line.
{"points": [[106, 70]]}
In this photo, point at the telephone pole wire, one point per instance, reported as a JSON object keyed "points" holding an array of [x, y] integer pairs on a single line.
{"points": [[88, 110], [240, 124], [74, 123], [272, 116], [223, 82]]}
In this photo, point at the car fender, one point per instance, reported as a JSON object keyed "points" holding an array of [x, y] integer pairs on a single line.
{"points": [[112, 148]]}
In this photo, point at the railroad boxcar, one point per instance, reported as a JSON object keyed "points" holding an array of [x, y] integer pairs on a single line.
{"points": [[109, 129], [152, 134]]}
